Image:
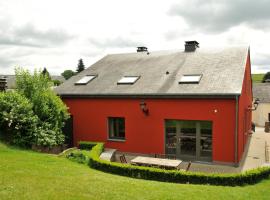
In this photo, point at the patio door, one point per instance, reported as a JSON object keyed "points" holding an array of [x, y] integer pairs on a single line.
{"points": [[189, 140]]}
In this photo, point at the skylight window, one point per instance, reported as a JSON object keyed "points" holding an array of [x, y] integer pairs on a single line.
{"points": [[86, 79], [190, 78], [128, 80]]}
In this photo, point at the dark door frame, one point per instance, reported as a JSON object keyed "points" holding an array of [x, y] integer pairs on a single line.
{"points": [[178, 154]]}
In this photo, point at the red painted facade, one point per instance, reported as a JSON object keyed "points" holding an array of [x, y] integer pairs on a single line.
{"points": [[245, 115], [146, 134]]}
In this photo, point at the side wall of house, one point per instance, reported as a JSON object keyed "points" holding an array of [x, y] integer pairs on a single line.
{"points": [[245, 115], [146, 134]]}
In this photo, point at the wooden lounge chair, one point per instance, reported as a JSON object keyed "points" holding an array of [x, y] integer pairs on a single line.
{"points": [[123, 159]]}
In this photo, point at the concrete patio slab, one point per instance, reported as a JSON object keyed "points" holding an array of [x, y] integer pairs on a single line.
{"points": [[256, 155]]}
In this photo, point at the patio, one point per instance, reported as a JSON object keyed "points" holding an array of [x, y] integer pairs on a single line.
{"points": [[256, 155]]}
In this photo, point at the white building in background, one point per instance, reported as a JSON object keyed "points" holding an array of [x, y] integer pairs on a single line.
{"points": [[261, 115]]}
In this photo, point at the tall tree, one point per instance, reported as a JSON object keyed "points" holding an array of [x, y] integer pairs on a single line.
{"points": [[46, 72], [80, 66]]}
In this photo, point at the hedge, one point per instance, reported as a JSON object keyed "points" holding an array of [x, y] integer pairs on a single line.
{"points": [[79, 156], [86, 145], [176, 176]]}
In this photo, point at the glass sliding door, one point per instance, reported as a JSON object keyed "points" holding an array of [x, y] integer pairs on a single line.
{"points": [[190, 140], [171, 137], [206, 139], [187, 138]]}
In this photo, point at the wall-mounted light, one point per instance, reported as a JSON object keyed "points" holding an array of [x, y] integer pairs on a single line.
{"points": [[144, 107], [255, 104]]}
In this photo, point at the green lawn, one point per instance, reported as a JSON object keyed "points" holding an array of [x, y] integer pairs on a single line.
{"points": [[30, 175], [257, 78]]}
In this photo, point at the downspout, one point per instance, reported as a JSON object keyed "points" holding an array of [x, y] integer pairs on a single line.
{"points": [[236, 132]]}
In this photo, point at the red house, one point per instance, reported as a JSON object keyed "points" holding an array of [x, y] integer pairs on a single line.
{"points": [[193, 103]]}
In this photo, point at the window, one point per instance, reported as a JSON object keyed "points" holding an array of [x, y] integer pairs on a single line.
{"points": [[117, 128], [86, 79], [192, 78], [128, 80]]}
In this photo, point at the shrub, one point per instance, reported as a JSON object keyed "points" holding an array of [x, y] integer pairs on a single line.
{"points": [[77, 156], [47, 106], [248, 177], [266, 77], [17, 119], [87, 145]]}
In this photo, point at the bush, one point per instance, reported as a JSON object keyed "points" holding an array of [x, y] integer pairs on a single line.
{"points": [[266, 77], [87, 145], [47, 106], [17, 119], [77, 156], [176, 176]]}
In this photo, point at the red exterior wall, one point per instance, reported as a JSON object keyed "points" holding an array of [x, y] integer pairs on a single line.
{"points": [[146, 134], [244, 115]]}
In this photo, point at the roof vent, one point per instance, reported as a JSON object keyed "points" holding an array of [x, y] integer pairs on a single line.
{"points": [[191, 46], [142, 49]]}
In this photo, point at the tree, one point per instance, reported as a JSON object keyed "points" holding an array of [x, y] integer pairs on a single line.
{"points": [[47, 106], [45, 72], [68, 73], [56, 82], [80, 66], [266, 77]]}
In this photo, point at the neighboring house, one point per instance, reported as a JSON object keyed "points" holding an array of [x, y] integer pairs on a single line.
{"points": [[11, 80], [262, 114], [192, 103]]}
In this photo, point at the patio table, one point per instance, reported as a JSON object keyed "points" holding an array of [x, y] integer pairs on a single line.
{"points": [[158, 162]]}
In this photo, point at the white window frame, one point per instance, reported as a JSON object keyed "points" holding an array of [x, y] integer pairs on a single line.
{"points": [[85, 80], [190, 78], [125, 80]]}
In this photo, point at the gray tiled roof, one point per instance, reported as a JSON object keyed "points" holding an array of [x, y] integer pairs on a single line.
{"points": [[262, 91], [222, 73]]}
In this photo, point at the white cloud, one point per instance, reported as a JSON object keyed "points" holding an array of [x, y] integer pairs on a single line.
{"points": [[55, 34]]}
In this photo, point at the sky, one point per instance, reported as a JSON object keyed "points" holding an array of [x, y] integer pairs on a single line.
{"points": [[56, 33]]}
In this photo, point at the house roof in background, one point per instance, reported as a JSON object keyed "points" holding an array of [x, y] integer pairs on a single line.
{"points": [[222, 74], [262, 91], [11, 80]]}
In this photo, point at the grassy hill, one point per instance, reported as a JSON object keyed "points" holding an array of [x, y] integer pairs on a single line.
{"points": [[31, 175], [257, 78]]}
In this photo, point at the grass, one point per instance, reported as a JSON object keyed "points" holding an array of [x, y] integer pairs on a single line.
{"points": [[257, 78], [30, 175]]}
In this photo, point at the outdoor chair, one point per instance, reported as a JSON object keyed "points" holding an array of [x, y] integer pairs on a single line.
{"points": [[188, 167], [123, 159]]}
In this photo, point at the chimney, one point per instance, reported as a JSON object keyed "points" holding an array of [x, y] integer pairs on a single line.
{"points": [[142, 49], [191, 46], [3, 84]]}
